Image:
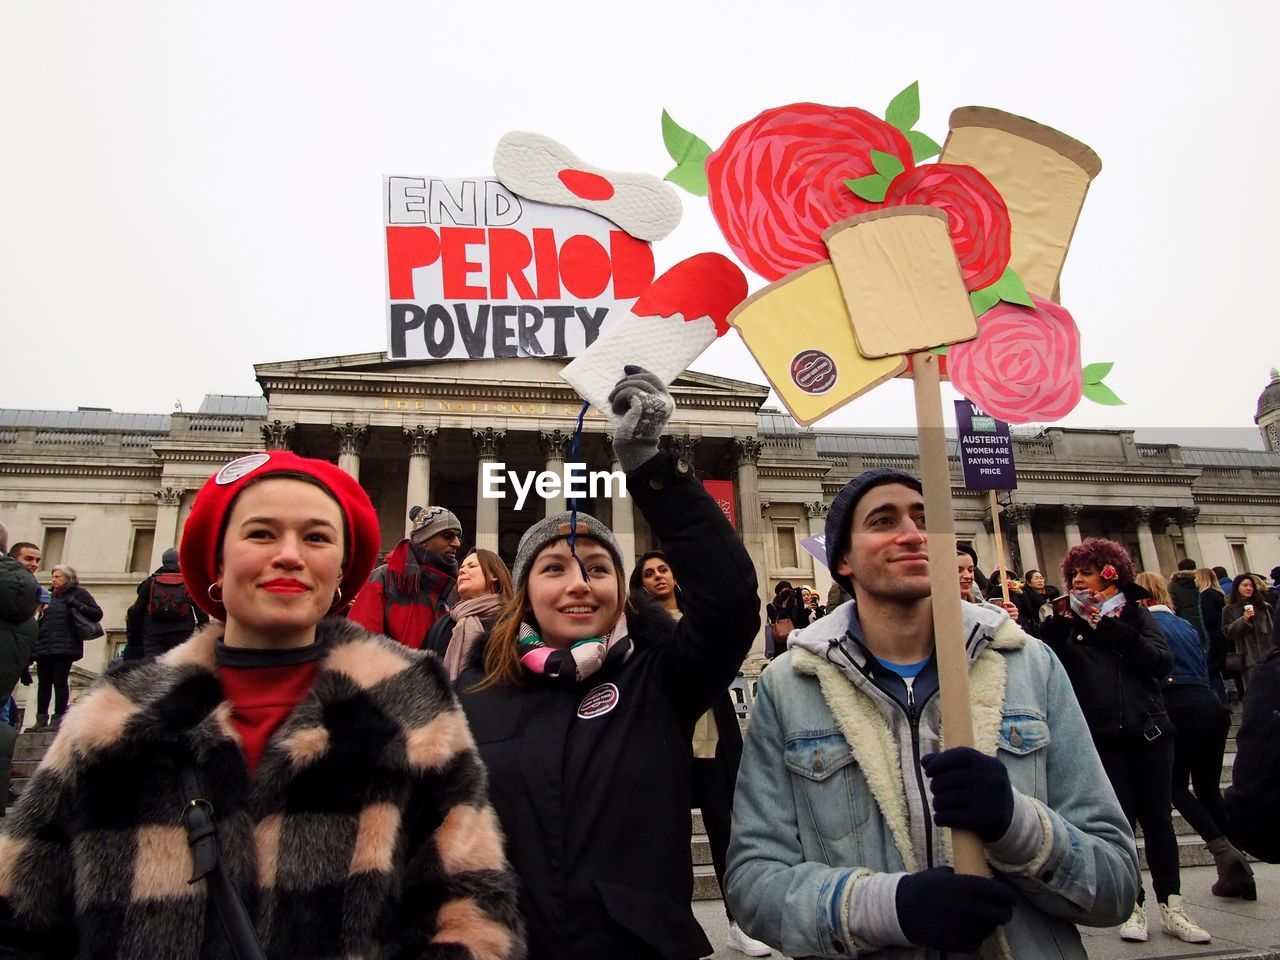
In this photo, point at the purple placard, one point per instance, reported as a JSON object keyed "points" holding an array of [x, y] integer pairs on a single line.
{"points": [[986, 450]]}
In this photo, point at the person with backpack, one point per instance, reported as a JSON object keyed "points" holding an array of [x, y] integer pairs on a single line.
{"points": [[163, 615]]}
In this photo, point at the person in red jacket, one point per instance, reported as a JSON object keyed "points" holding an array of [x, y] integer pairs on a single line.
{"points": [[417, 584]]}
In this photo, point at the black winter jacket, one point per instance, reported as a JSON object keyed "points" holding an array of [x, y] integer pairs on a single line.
{"points": [[1186, 602], [19, 598], [149, 637], [594, 801], [1254, 795], [57, 633], [1116, 669]]}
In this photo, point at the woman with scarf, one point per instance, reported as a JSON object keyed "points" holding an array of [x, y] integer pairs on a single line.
{"points": [[484, 588], [584, 706], [283, 784], [1246, 622], [1117, 659]]}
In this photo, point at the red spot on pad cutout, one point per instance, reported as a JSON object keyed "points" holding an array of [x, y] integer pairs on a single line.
{"points": [[588, 186], [705, 285]]}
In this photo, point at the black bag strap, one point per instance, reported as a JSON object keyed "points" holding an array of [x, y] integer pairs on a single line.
{"points": [[202, 835]]}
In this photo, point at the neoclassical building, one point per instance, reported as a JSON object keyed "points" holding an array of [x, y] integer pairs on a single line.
{"points": [[108, 492]]}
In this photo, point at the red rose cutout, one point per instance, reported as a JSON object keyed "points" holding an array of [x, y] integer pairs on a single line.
{"points": [[778, 181], [1024, 364], [977, 214], [1109, 572]]}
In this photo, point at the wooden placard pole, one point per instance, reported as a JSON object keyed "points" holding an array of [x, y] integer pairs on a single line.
{"points": [[948, 627], [995, 525]]}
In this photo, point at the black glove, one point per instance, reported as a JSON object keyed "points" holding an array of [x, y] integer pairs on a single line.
{"points": [[943, 911], [644, 403], [971, 791]]}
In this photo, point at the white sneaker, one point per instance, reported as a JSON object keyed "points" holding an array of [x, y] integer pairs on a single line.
{"points": [[1176, 923], [737, 940], [1135, 928]]}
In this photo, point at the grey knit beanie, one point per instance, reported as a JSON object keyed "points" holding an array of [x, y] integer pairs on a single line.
{"points": [[556, 527], [428, 521]]}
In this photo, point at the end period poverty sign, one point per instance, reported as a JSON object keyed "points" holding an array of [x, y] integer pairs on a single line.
{"points": [[475, 271], [986, 450]]}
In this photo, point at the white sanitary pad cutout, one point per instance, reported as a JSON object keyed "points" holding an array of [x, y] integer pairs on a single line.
{"points": [[665, 346], [529, 165]]}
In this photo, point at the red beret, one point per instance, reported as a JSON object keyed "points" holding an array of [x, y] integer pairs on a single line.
{"points": [[205, 525]]}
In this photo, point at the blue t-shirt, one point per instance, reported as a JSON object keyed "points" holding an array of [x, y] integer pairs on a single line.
{"points": [[904, 670]]}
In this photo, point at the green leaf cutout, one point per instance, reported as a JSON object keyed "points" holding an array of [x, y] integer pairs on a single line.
{"points": [[1011, 288], [904, 109], [886, 164], [1095, 372], [1101, 393], [690, 153], [872, 188], [940, 351], [923, 146], [984, 299]]}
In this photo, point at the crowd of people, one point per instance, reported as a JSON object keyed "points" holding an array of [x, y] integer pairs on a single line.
{"points": [[306, 753]]}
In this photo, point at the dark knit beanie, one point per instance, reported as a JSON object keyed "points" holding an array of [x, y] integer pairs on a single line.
{"points": [[202, 535], [840, 516]]}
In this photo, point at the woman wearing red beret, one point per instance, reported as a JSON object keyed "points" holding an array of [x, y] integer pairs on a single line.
{"points": [[311, 786]]}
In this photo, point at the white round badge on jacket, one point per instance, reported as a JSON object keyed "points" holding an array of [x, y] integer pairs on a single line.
{"points": [[598, 701]]}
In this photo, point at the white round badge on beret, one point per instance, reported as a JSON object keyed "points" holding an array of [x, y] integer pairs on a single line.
{"points": [[598, 701], [236, 469]]}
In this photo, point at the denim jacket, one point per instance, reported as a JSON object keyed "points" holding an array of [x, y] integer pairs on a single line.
{"points": [[823, 813]]}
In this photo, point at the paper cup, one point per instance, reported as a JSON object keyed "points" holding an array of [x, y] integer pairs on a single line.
{"points": [[1043, 176], [799, 333]]}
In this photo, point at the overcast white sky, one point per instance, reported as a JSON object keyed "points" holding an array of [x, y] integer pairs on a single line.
{"points": [[188, 189]]}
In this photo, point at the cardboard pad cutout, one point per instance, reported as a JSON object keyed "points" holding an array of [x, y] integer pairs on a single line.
{"points": [[901, 283], [538, 168], [1043, 176], [798, 330], [673, 321]]}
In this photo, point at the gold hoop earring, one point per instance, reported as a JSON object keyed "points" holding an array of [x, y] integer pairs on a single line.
{"points": [[218, 598]]}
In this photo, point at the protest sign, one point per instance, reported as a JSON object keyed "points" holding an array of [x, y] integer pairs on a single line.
{"points": [[475, 271], [986, 450]]}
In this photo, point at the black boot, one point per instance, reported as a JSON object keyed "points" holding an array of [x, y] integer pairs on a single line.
{"points": [[1235, 876]]}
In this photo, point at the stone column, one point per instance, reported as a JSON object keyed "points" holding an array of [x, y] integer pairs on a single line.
{"points": [[1146, 539], [752, 530], [624, 521], [421, 441], [1071, 523], [821, 575], [1187, 517], [276, 435], [488, 445], [168, 502], [553, 444], [351, 440], [1020, 515]]}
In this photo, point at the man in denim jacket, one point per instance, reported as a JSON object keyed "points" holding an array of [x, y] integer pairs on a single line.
{"points": [[840, 842]]}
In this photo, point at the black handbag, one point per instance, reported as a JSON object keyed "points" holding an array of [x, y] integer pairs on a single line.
{"points": [[202, 835], [83, 627]]}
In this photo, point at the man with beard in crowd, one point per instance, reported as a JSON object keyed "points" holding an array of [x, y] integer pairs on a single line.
{"points": [[417, 584]]}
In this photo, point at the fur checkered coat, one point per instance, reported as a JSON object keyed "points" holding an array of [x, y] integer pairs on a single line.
{"points": [[366, 832]]}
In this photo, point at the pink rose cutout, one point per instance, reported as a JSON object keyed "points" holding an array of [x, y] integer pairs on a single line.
{"points": [[1024, 364]]}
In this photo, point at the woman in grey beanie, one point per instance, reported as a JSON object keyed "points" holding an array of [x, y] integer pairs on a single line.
{"points": [[583, 706]]}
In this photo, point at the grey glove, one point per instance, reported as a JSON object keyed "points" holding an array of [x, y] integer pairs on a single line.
{"points": [[644, 405]]}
